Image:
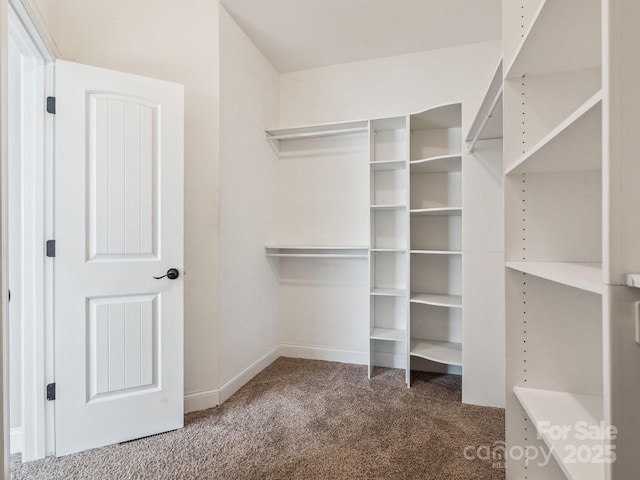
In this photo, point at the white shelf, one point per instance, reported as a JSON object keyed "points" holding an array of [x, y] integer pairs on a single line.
{"points": [[565, 409], [443, 116], [440, 300], [439, 164], [389, 334], [436, 252], [442, 352], [578, 129], [488, 122], [557, 41], [314, 131], [387, 207], [443, 211], [307, 251], [584, 276], [388, 165], [389, 250], [389, 292]]}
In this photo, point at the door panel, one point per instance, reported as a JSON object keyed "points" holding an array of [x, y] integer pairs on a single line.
{"points": [[119, 224]]}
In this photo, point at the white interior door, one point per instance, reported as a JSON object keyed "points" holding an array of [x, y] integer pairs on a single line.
{"points": [[118, 224]]}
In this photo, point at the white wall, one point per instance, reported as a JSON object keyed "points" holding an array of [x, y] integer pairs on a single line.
{"points": [[391, 86], [248, 190], [175, 41], [398, 86], [46, 15]]}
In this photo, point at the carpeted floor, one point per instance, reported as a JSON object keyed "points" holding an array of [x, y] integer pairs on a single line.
{"points": [[306, 419]]}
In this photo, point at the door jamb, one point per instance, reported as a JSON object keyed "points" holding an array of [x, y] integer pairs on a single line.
{"points": [[37, 430]]}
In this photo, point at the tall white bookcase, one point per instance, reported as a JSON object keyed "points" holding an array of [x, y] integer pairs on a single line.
{"points": [[416, 240], [389, 240], [571, 320], [435, 200]]}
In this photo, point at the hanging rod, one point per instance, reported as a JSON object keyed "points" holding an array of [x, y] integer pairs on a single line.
{"points": [[486, 119]]}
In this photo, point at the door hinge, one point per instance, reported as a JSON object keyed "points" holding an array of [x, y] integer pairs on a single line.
{"points": [[51, 391], [51, 248], [51, 105]]}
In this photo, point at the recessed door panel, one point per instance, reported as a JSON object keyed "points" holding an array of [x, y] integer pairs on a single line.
{"points": [[123, 157]]}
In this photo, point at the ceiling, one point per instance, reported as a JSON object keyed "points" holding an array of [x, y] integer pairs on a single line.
{"points": [[301, 34]]}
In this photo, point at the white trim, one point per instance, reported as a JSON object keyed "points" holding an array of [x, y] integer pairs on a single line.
{"points": [[236, 383], [4, 334], [194, 402], [36, 134], [324, 353], [15, 440], [29, 14]]}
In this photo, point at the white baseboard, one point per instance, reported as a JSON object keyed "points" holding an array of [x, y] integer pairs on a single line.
{"points": [[15, 440], [323, 353], [236, 383], [194, 402], [211, 398]]}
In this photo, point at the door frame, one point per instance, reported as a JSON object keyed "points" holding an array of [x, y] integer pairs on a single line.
{"points": [[37, 333]]}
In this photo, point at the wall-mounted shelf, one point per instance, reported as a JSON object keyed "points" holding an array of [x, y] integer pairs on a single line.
{"points": [[439, 164], [565, 409], [584, 276], [439, 300], [448, 353], [315, 131], [306, 251]]}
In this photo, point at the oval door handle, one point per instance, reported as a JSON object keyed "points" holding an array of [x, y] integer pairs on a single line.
{"points": [[171, 274]]}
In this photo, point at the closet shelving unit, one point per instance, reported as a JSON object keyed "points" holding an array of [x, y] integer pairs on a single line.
{"points": [[566, 350], [435, 226], [388, 264], [412, 166]]}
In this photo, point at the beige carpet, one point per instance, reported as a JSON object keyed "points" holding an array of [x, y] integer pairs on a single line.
{"points": [[304, 419]]}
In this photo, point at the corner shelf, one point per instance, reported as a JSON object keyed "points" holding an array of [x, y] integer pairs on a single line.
{"points": [[584, 276], [305, 251], [560, 409], [439, 164], [439, 300], [389, 334], [448, 353]]}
